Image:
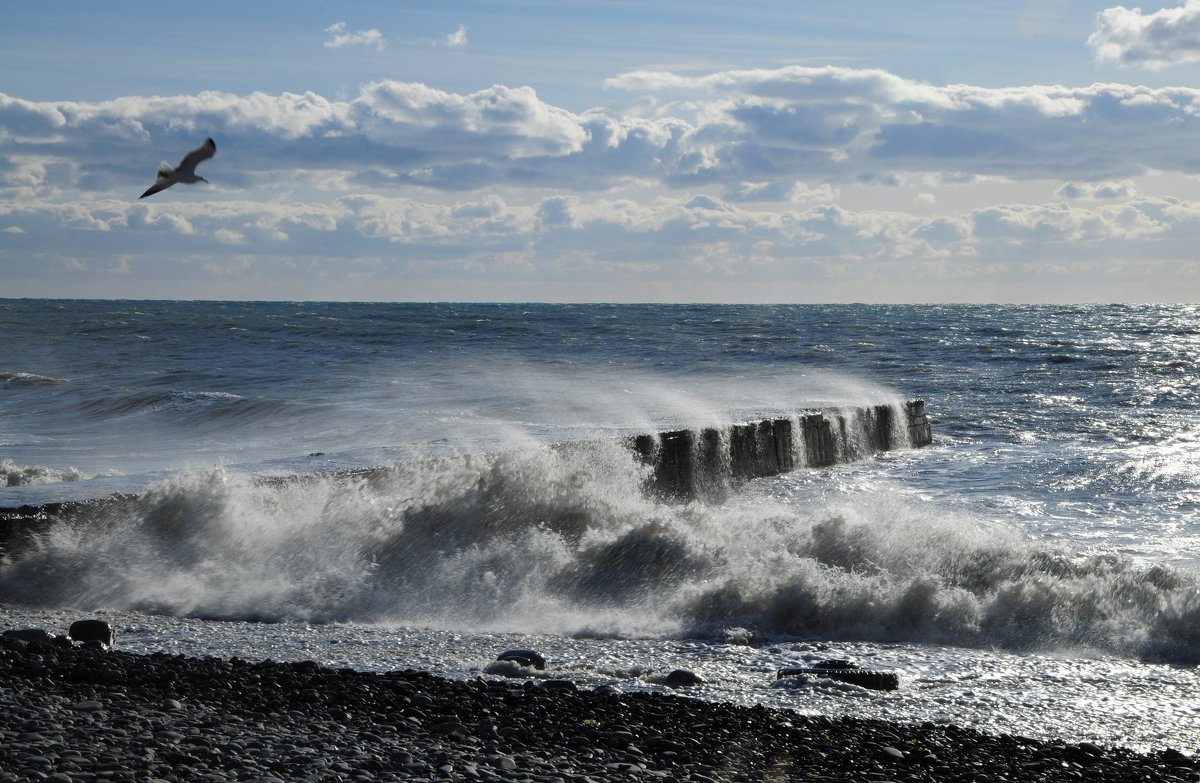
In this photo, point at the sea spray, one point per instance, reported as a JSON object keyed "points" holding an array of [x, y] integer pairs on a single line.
{"points": [[546, 540], [14, 475]]}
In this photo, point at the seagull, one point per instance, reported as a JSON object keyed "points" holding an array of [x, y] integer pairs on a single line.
{"points": [[185, 172]]}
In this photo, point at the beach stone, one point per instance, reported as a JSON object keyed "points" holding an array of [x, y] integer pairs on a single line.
{"points": [[682, 678], [93, 630], [29, 635], [524, 658], [449, 727], [262, 721], [658, 744], [559, 685]]}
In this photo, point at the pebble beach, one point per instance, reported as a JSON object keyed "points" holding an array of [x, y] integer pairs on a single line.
{"points": [[72, 712]]}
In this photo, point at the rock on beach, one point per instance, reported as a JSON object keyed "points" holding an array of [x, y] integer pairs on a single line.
{"points": [[70, 712]]}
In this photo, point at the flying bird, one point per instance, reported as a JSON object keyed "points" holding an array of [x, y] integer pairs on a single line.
{"points": [[185, 172]]}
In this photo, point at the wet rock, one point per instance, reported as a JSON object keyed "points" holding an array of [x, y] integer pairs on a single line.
{"points": [[682, 678], [844, 670], [559, 685], [261, 721], [524, 658], [30, 635], [450, 727], [93, 630]]}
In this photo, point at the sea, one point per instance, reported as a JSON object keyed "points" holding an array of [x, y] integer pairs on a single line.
{"points": [[426, 485]]}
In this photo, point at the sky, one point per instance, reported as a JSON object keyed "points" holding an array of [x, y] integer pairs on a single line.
{"points": [[603, 150]]}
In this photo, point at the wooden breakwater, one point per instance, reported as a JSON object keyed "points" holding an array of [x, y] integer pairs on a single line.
{"points": [[698, 463], [684, 464]]}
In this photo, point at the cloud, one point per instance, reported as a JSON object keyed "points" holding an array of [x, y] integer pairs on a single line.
{"points": [[844, 125], [458, 38], [779, 191], [738, 174], [753, 134], [342, 38], [421, 238], [1096, 191], [455, 40], [558, 212], [1165, 37]]}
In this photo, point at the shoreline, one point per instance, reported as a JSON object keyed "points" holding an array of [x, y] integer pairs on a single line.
{"points": [[70, 712]]}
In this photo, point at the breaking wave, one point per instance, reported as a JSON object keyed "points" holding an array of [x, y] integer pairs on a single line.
{"points": [[14, 475], [569, 541]]}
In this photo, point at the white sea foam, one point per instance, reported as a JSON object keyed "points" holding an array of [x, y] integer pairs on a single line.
{"points": [[14, 475], [565, 541]]}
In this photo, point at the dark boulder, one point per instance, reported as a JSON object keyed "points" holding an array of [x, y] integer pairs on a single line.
{"points": [[523, 657], [682, 678], [846, 671], [30, 635], [93, 631], [559, 685]]}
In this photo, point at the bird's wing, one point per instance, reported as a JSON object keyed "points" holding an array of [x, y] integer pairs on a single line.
{"points": [[201, 153], [162, 184]]}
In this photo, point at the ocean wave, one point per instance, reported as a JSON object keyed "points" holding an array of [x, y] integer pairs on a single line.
{"points": [[29, 379], [566, 541], [174, 406], [14, 475]]}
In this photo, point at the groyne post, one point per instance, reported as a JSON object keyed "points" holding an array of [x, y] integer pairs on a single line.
{"points": [[919, 432], [685, 462]]}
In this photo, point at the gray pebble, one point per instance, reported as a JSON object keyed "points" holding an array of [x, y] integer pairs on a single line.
{"points": [[207, 720]]}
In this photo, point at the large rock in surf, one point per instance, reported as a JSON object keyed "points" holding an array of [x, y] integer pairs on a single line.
{"points": [[682, 678], [523, 658], [93, 631], [845, 671]]}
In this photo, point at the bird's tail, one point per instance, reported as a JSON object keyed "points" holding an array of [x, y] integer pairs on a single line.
{"points": [[165, 171]]}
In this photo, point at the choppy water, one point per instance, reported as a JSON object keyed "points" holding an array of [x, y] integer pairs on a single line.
{"points": [[1039, 564]]}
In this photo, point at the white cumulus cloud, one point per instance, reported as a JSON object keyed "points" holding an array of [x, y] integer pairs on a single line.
{"points": [[797, 173], [1096, 191], [789, 134], [1129, 37], [371, 37], [612, 244], [458, 38]]}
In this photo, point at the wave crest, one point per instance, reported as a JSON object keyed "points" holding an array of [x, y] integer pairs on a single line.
{"points": [[566, 541]]}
